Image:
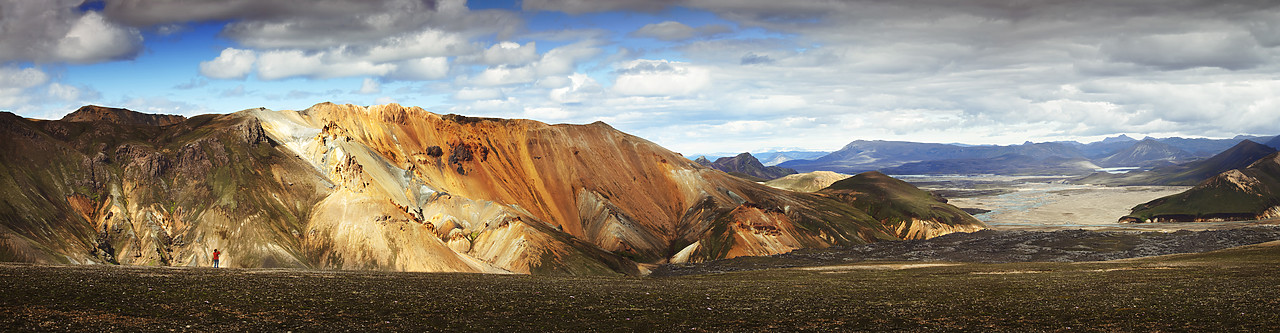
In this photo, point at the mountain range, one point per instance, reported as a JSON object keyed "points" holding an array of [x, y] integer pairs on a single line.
{"points": [[1190, 173], [1070, 158], [387, 187], [1147, 152]]}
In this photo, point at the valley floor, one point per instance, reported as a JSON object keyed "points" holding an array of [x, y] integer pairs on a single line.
{"points": [[1049, 203], [1231, 289]]}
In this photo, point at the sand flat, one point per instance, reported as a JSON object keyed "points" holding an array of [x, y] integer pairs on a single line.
{"points": [[1039, 206]]}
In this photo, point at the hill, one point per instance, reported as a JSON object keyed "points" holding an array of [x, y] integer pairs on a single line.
{"points": [[386, 188], [118, 116], [746, 166], [1191, 173], [1239, 194], [807, 182], [912, 212]]}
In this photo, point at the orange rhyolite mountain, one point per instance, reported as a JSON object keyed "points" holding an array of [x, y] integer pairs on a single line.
{"points": [[385, 187]]}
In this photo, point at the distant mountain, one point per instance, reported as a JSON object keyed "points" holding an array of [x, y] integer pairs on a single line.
{"points": [[1011, 164], [1209, 147], [775, 158], [864, 155], [1147, 152], [1274, 142], [807, 182], [1235, 195], [1106, 147], [1239, 156], [909, 210], [747, 165]]}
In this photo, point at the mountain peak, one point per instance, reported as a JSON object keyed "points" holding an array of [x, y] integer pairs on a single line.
{"points": [[1144, 153], [1118, 138], [747, 164], [94, 113]]}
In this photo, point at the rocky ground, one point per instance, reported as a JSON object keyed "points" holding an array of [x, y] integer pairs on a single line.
{"points": [[1228, 290], [1000, 246]]}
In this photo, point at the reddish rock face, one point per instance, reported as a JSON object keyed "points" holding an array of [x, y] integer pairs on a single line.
{"points": [[391, 188]]}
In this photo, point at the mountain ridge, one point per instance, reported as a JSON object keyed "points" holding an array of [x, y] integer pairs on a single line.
{"points": [[1191, 173], [388, 187]]}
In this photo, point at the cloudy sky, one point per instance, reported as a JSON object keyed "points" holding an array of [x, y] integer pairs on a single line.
{"points": [[697, 76]]}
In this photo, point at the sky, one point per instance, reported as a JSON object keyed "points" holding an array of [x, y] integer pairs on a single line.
{"points": [[696, 76]]}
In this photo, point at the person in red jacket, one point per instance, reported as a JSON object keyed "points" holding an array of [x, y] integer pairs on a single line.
{"points": [[215, 257]]}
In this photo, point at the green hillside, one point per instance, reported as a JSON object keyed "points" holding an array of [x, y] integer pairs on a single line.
{"points": [[1244, 194]]}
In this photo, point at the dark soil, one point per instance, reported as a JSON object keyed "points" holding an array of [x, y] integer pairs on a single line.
{"points": [[1230, 290], [992, 246]]}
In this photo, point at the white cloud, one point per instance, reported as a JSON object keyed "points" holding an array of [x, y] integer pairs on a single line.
{"points": [[232, 63], [418, 56], [676, 31], [564, 60], [275, 65], [429, 68], [669, 30], [506, 53], [162, 105], [580, 88], [309, 25], [546, 113], [1227, 50], [660, 78], [385, 100], [471, 94], [505, 75], [369, 87], [57, 31], [63, 92], [93, 39], [15, 84], [426, 43], [590, 6]]}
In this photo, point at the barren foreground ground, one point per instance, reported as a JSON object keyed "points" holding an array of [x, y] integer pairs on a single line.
{"points": [[1231, 289]]}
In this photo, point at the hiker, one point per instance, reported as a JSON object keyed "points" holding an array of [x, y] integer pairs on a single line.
{"points": [[215, 257]]}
